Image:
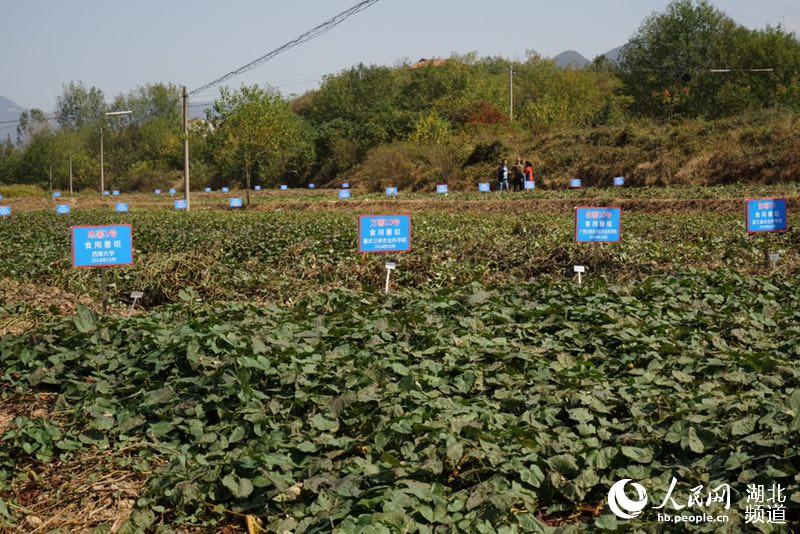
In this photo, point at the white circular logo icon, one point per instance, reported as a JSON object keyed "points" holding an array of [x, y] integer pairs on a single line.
{"points": [[621, 505]]}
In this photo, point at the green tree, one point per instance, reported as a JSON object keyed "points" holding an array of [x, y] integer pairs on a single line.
{"points": [[78, 106], [694, 60], [256, 127]]}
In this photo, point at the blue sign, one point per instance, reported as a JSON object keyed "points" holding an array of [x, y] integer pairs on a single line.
{"points": [[180, 204], [619, 181], [106, 193], [115, 192], [598, 225], [384, 233], [391, 192], [530, 185], [257, 188], [56, 194], [121, 207], [207, 189], [766, 215], [62, 209], [575, 183], [441, 189], [5, 211], [226, 190], [484, 188], [102, 246], [284, 187], [312, 186], [346, 185], [344, 194], [172, 192], [234, 203], [157, 191]]}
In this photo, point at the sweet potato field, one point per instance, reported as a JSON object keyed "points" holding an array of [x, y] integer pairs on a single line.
{"points": [[264, 382]]}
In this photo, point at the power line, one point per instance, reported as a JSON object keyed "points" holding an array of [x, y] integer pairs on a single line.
{"points": [[307, 36]]}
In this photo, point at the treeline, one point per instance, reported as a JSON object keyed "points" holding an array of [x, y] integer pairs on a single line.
{"points": [[415, 124]]}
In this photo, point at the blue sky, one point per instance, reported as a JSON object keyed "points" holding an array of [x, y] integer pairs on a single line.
{"points": [[118, 45]]}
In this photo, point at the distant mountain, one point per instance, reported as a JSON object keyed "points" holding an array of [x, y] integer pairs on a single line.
{"points": [[9, 111], [614, 54], [571, 59]]}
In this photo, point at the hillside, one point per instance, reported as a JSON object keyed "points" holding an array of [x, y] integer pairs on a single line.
{"points": [[9, 110]]}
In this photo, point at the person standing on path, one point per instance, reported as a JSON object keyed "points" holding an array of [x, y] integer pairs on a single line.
{"points": [[502, 176], [519, 175], [528, 171]]}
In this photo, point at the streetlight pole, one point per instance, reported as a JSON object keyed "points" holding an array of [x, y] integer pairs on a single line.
{"points": [[102, 175], [102, 178], [186, 147]]}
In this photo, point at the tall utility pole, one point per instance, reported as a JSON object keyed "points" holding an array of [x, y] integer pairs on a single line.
{"points": [[511, 92], [186, 147], [70, 175], [102, 176]]}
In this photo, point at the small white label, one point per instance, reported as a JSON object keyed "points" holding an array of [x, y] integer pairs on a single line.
{"points": [[137, 294], [390, 265], [579, 269], [774, 257]]}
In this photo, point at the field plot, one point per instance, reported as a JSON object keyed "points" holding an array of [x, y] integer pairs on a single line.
{"points": [[265, 374]]}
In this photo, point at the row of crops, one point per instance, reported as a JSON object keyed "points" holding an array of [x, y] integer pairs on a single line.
{"points": [[510, 409], [280, 255]]}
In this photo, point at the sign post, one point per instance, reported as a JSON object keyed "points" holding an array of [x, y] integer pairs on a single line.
{"points": [[597, 225], [102, 247], [384, 234], [765, 216]]}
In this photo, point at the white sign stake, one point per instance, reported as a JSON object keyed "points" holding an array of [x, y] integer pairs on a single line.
{"points": [[135, 295], [390, 266], [580, 269], [774, 257]]}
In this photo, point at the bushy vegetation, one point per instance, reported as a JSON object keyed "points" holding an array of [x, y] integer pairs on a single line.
{"points": [[684, 73]]}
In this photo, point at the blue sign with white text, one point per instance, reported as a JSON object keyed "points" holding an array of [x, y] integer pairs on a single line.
{"points": [[346, 185], [257, 188], [172, 192], [102, 246], [115, 192], [312, 186], [441, 189], [180, 204], [619, 181], [157, 192], [234, 203], [344, 194], [121, 207], [5, 211], [766, 215], [226, 190], [391, 192], [106, 193], [62, 209], [598, 225], [484, 188], [207, 189], [56, 194], [284, 187], [575, 183], [384, 233], [530, 185]]}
